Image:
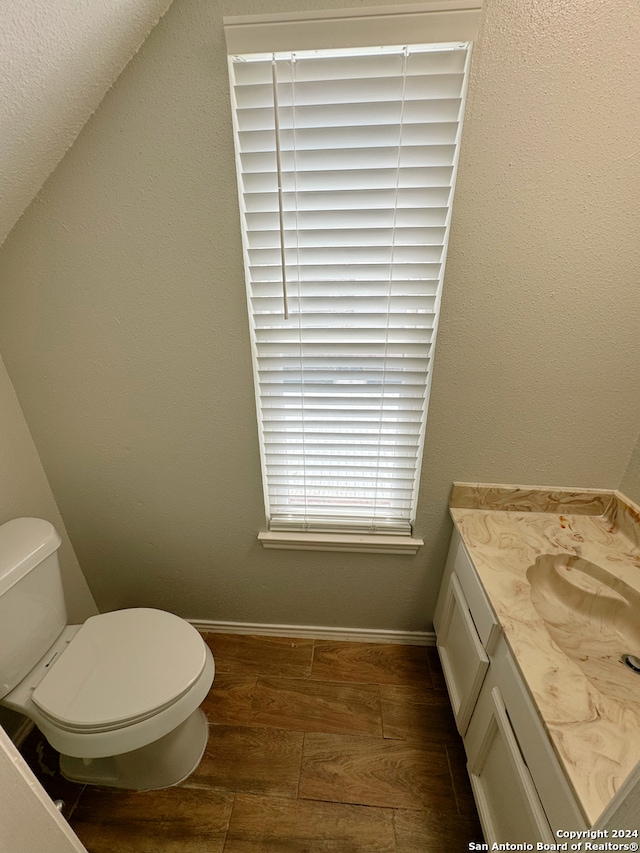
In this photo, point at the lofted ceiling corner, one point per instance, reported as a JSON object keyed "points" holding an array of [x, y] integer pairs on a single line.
{"points": [[57, 62]]}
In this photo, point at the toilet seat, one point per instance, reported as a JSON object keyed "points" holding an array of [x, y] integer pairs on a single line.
{"points": [[119, 669]]}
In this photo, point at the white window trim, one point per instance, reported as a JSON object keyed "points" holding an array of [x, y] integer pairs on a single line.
{"points": [[440, 21], [345, 542]]}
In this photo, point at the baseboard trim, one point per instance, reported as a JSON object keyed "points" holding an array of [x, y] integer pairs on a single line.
{"points": [[316, 632]]}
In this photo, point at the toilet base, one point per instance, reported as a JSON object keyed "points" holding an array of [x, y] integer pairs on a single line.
{"points": [[161, 764]]}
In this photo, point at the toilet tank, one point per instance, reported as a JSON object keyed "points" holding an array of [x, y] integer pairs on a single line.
{"points": [[32, 607]]}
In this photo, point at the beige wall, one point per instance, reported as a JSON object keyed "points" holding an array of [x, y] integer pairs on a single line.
{"points": [[630, 484], [24, 491], [123, 321]]}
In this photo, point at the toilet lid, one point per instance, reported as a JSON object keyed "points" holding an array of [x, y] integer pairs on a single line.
{"points": [[120, 668]]}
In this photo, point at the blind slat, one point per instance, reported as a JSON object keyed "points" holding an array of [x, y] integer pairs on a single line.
{"points": [[353, 115]]}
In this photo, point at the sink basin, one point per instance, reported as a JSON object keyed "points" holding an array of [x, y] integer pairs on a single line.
{"points": [[593, 617]]}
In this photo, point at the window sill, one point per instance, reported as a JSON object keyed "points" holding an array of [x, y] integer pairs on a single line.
{"points": [[357, 543]]}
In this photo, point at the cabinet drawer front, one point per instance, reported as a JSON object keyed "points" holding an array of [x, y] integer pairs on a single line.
{"points": [[485, 620], [462, 655]]}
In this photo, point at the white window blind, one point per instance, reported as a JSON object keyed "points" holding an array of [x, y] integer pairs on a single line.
{"points": [[346, 167]]}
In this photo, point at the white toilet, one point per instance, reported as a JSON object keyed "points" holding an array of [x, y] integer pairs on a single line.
{"points": [[118, 696]]}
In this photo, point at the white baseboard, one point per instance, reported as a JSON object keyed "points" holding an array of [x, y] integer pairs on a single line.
{"points": [[315, 632]]}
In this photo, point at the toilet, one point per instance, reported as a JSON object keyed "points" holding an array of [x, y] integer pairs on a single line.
{"points": [[118, 696]]}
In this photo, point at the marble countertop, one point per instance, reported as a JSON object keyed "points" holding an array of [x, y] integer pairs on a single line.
{"points": [[593, 723]]}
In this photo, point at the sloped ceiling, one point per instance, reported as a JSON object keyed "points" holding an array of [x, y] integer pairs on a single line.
{"points": [[57, 61]]}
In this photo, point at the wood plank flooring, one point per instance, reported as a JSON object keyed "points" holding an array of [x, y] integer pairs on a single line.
{"points": [[314, 747]]}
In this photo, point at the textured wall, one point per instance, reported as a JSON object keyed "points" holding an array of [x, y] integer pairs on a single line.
{"points": [[123, 322], [56, 62], [24, 491], [630, 484], [537, 374]]}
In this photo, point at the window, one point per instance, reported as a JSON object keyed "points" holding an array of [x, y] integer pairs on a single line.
{"points": [[346, 163]]}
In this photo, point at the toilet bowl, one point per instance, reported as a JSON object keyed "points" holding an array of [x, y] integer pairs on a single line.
{"points": [[117, 696]]}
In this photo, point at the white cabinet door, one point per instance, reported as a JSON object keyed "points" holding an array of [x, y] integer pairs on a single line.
{"points": [[30, 822], [463, 658], [507, 800]]}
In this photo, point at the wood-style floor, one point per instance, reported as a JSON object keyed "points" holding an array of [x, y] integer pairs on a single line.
{"points": [[315, 747]]}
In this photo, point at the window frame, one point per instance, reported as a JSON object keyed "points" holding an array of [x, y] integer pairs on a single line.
{"points": [[419, 23]]}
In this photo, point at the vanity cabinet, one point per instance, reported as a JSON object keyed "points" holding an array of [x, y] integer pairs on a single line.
{"points": [[467, 632], [521, 792], [506, 797]]}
